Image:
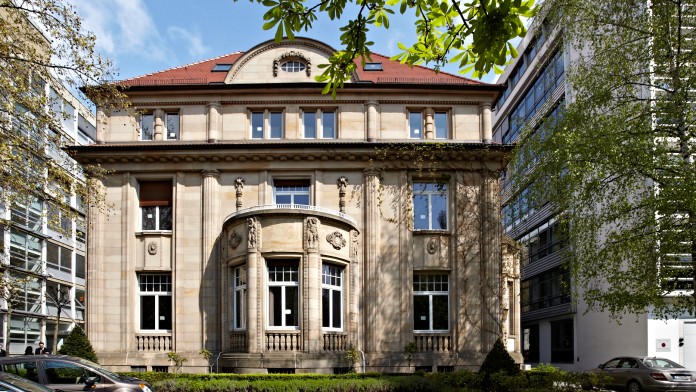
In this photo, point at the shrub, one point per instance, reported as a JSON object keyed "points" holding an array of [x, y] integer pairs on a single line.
{"points": [[77, 344], [498, 360]]}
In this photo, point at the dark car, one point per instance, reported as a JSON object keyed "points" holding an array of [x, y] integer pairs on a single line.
{"points": [[636, 374], [13, 383], [66, 373]]}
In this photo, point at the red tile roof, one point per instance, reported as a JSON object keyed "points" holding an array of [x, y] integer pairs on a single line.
{"points": [[200, 73]]}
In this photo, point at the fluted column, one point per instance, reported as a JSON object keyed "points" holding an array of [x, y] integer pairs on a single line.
{"points": [[372, 121], [491, 252], [486, 123], [209, 260], [371, 264], [214, 118], [312, 293], [254, 287]]}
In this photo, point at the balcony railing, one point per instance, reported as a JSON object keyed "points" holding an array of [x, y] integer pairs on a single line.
{"points": [[335, 342], [292, 207], [434, 342], [154, 343], [238, 342], [283, 341]]}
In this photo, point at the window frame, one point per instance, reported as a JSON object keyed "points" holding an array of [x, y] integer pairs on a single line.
{"points": [[146, 136], [413, 121], [418, 291], [283, 285], [440, 189], [157, 209], [319, 119], [331, 272], [268, 129], [167, 114], [165, 279], [293, 193], [239, 298]]}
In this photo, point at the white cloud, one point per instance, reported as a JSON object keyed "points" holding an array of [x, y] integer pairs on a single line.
{"points": [[193, 40]]}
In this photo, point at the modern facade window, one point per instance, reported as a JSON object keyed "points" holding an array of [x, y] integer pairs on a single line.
{"points": [[155, 291], [267, 124], [80, 267], [319, 124], [429, 206], [25, 250], [29, 296], [59, 261], [28, 212], [283, 294], [430, 302], [530, 343], [79, 304], [544, 240], [24, 331], [547, 289], [291, 192], [332, 297], [147, 126], [58, 220], [415, 125], [239, 282], [562, 341], [171, 123], [156, 205]]}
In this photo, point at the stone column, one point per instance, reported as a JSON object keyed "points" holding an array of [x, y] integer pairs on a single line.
{"points": [[312, 331], [372, 120], [159, 123], [254, 291], [486, 123], [491, 253], [429, 124], [209, 260], [214, 128], [371, 264], [354, 299]]}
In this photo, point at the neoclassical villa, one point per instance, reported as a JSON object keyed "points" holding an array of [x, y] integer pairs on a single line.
{"points": [[280, 229]]}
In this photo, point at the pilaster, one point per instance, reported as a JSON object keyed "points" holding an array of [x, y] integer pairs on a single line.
{"points": [[371, 265], [209, 260]]}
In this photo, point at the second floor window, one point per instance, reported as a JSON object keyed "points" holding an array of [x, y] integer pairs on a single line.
{"points": [[171, 124], [147, 126], [429, 206], [156, 205], [266, 124], [291, 192], [319, 124]]}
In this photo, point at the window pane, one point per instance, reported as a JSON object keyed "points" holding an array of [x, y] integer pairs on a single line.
{"points": [[420, 211], [275, 307], [283, 199], [439, 209], [336, 310], [328, 124], [172, 124], [165, 312], [149, 219], [257, 125], [292, 306], [165, 217], [276, 120], [415, 120], [239, 308], [325, 308], [310, 125], [147, 312], [301, 200], [421, 313], [441, 125], [147, 127], [440, 313]]}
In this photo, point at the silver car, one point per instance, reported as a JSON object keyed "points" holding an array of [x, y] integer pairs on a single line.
{"points": [[10, 382], [636, 374]]}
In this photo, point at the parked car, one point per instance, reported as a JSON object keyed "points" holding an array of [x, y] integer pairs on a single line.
{"points": [[648, 374], [13, 383], [66, 373]]}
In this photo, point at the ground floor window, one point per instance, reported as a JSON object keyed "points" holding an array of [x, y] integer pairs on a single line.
{"points": [[430, 302], [283, 294], [530, 343], [562, 341], [24, 332], [332, 297], [239, 283], [155, 302]]}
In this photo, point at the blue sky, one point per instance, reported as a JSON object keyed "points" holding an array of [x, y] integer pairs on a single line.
{"points": [[144, 36]]}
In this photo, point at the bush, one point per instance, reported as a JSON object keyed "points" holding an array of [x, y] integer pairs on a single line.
{"points": [[77, 344], [498, 360]]}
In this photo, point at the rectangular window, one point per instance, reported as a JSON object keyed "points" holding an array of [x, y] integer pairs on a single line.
{"points": [[545, 290], [239, 282], [156, 205], [59, 261], [79, 304], [25, 250], [171, 122], [319, 124], [429, 206], [155, 302], [266, 124], [294, 192], [562, 341], [441, 125], [80, 266], [28, 297], [530, 343], [415, 125], [331, 297], [28, 212], [283, 294], [147, 126], [430, 302]]}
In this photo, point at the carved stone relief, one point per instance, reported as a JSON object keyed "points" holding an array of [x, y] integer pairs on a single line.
{"points": [[336, 240], [251, 239], [311, 232]]}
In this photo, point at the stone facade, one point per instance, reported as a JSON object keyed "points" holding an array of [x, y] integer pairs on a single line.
{"points": [[281, 253]]}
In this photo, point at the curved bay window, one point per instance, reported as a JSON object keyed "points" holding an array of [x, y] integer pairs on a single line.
{"points": [[332, 297], [283, 294], [239, 282]]}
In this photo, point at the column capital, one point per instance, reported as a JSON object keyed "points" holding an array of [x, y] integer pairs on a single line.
{"points": [[207, 173]]}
